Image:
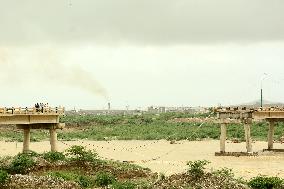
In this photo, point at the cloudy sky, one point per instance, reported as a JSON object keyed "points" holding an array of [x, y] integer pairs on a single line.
{"points": [[84, 53]]}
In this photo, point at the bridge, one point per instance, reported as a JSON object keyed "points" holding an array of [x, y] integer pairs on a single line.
{"points": [[34, 118], [246, 116]]}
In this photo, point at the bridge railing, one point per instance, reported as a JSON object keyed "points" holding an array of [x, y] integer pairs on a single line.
{"points": [[32, 111]]}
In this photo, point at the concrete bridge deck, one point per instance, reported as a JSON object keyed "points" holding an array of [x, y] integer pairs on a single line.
{"points": [[34, 118], [247, 116]]}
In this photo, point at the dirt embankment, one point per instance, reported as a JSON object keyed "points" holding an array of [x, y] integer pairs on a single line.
{"points": [[161, 156]]}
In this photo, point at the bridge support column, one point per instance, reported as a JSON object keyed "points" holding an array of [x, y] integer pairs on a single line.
{"points": [[248, 137], [270, 135], [53, 139], [27, 138], [223, 137]]}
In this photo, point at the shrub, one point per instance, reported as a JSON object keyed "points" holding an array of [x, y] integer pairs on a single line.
{"points": [[80, 154], [54, 156], [263, 182], [104, 179], [21, 163], [124, 185], [147, 120], [224, 172], [32, 154], [84, 181], [63, 175], [5, 162], [196, 168], [161, 176], [3, 176]]}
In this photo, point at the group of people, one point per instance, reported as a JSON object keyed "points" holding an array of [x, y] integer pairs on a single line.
{"points": [[41, 106]]}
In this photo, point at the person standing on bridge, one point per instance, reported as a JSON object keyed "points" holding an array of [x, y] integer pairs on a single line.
{"points": [[41, 107], [37, 107]]}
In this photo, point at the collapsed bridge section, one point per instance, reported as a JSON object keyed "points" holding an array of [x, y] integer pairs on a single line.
{"points": [[34, 118], [245, 116]]}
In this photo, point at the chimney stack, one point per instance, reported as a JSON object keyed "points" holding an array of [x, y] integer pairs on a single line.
{"points": [[108, 106]]}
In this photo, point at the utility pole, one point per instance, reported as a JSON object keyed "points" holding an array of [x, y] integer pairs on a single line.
{"points": [[261, 98], [261, 90]]}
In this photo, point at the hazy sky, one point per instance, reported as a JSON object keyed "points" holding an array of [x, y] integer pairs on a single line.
{"points": [[84, 53]]}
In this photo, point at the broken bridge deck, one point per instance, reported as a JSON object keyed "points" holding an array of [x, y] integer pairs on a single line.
{"points": [[34, 118], [246, 117]]}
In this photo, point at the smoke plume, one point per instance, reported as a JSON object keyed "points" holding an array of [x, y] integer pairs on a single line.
{"points": [[44, 66]]}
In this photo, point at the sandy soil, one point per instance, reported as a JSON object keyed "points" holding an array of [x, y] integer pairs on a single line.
{"points": [[161, 156]]}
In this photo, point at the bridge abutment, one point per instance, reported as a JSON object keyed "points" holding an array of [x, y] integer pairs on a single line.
{"points": [[34, 118]]}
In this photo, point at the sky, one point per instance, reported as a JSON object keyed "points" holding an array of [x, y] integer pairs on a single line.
{"points": [[138, 53]]}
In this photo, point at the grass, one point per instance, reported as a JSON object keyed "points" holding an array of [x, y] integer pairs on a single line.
{"points": [[18, 135], [144, 127], [170, 131], [81, 179]]}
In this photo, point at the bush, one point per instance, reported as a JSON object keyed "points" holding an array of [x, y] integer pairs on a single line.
{"points": [[80, 154], [5, 162], [263, 182], [3, 176], [54, 156], [196, 168], [63, 175], [104, 179], [32, 154], [84, 181], [124, 185], [224, 172], [162, 176], [21, 163]]}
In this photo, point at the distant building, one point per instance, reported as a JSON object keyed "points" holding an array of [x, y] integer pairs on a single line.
{"points": [[104, 112], [156, 110], [162, 109]]}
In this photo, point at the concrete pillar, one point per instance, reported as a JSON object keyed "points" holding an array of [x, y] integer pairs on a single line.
{"points": [[270, 135], [248, 138], [27, 138], [53, 139], [223, 137]]}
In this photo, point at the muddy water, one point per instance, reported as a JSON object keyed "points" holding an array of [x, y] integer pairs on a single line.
{"points": [[161, 156]]}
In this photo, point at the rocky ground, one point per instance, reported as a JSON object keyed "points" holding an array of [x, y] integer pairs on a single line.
{"points": [[38, 182]]}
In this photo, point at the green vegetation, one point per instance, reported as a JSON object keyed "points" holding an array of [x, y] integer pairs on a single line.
{"points": [[224, 172], [79, 154], [155, 127], [160, 127], [197, 168], [5, 162], [82, 180], [22, 163], [104, 179], [80, 168], [264, 182], [143, 127], [77, 168], [53, 156], [3, 177], [12, 135]]}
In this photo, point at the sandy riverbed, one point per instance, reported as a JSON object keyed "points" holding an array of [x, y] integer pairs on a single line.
{"points": [[161, 156]]}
